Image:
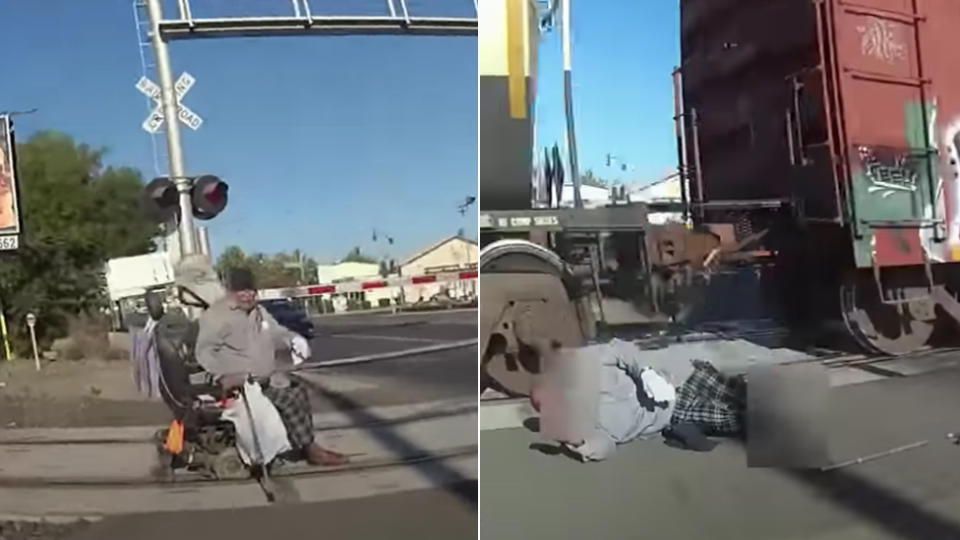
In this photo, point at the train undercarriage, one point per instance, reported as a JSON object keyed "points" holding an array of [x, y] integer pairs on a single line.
{"points": [[575, 275]]}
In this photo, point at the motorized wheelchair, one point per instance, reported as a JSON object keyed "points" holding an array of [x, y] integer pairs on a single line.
{"points": [[208, 441]]}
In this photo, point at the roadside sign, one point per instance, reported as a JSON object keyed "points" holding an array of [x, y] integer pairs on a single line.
{"points": [[183, 84], [190, 118], [9, 242], [155, 120], [148, 88], [9, 192]]}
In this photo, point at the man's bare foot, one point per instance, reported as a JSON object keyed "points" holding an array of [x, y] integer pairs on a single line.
{"points": [[318, 455]]}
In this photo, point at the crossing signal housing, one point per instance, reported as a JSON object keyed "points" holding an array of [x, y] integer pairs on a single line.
{"points": [[209, 197], [160, 199]]}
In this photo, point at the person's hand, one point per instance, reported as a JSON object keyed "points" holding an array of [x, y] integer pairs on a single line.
{"points": [[300, 349]]}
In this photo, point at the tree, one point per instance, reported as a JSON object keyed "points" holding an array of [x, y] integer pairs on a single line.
{"points": [[356, 256], [231, 258], [76, 216], [271, 271]]}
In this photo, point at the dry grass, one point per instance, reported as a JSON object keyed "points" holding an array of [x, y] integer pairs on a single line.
{"points": [[87, 338]]}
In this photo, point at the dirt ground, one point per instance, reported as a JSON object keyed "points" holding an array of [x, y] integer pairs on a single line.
{"points": [[69, 393], [21, 530]]}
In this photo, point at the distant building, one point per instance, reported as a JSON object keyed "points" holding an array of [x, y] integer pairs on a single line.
{"points": [[667, 190], [355, 271], [452, 254], [332, 273], [593, 196]]}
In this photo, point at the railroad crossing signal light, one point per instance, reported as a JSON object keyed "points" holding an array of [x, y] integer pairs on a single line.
{"points": [[160, 199], [209, 197]]}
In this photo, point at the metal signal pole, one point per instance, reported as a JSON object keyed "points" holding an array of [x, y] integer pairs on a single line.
{"points": [[168, 97], [568, 103]]}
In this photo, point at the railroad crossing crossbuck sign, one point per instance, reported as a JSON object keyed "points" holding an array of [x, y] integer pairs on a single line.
{"points": [[155, 120]]}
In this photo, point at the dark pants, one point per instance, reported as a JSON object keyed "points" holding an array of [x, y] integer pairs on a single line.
{"points": [[293, 404]]}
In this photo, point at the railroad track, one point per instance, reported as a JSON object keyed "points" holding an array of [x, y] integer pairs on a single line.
{"points": [[81, 474], [291, 471], [762, 331]]}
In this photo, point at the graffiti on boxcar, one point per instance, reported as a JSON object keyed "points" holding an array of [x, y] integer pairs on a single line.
{"points": [[882, 40], [948, 140], [887, 171], [951, 140]]}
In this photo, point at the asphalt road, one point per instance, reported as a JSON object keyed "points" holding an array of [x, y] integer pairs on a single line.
{"points": [[415, 379], [52, 398], [647, 489], [438, 514]]}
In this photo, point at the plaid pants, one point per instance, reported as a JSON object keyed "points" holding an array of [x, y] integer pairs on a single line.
{"points": [[293, 404], [712, 400]]}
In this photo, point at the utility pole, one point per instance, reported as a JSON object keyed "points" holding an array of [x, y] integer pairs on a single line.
{"points": [[168, 98], [568, 103]]}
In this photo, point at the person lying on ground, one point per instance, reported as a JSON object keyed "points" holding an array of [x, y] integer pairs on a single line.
{"points": [[239, 338], [638, 400]]}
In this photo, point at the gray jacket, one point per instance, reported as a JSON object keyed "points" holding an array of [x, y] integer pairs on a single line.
{"points": [[621, 415], [232, 341]]}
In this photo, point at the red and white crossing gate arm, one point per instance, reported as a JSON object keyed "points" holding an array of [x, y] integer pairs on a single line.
{"points": [[360, 286]]}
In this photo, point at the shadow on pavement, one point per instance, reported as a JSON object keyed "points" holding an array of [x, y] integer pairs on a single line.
{"points": [[424, 515], [888, 510], [877, 504], [409, 419], [435, 471]]}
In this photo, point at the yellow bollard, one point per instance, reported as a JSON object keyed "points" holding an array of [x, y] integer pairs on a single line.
{"points": [[8, 355]]}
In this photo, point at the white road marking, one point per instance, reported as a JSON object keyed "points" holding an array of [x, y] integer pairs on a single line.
{"points": [[391, 338]]}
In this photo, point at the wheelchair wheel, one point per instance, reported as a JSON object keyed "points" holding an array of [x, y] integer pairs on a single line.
{"points": [[227, 465]]}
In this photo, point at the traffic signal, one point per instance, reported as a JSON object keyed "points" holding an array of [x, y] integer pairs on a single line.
{"points": [[160, 199], [209, 196]]}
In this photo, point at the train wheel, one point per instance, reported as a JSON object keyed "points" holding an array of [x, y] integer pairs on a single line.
{"points": [[884, 328], [522, 284]]}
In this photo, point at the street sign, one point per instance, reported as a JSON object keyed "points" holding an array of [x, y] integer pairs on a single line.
{"points": [[181, 87], [9, 242], [32, 323]]}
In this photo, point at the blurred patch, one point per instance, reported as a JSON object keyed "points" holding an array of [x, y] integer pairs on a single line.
{"points": [[787, 416], [568, 391]]}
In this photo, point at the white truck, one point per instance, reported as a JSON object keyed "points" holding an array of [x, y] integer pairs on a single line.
{"points": [[129, 279]]}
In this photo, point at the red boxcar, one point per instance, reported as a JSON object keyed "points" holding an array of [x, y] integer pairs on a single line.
{"points": [[833, 124]]}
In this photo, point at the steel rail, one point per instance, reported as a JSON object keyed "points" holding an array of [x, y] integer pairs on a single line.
{"points": [[453, 410], [194, 479]]}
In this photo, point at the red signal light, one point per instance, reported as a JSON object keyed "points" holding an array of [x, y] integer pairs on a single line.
{"points": [[209, 197]]}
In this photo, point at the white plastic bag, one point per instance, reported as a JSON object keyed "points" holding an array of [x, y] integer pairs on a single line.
{"points": [[270, 430], [657, 388]]}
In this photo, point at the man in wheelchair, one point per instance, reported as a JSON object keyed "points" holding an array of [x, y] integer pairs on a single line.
{"points": [[238, 339]]}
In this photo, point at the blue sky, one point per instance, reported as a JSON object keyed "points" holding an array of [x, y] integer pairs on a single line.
{"points": [[321, 139], [624, 52]]}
